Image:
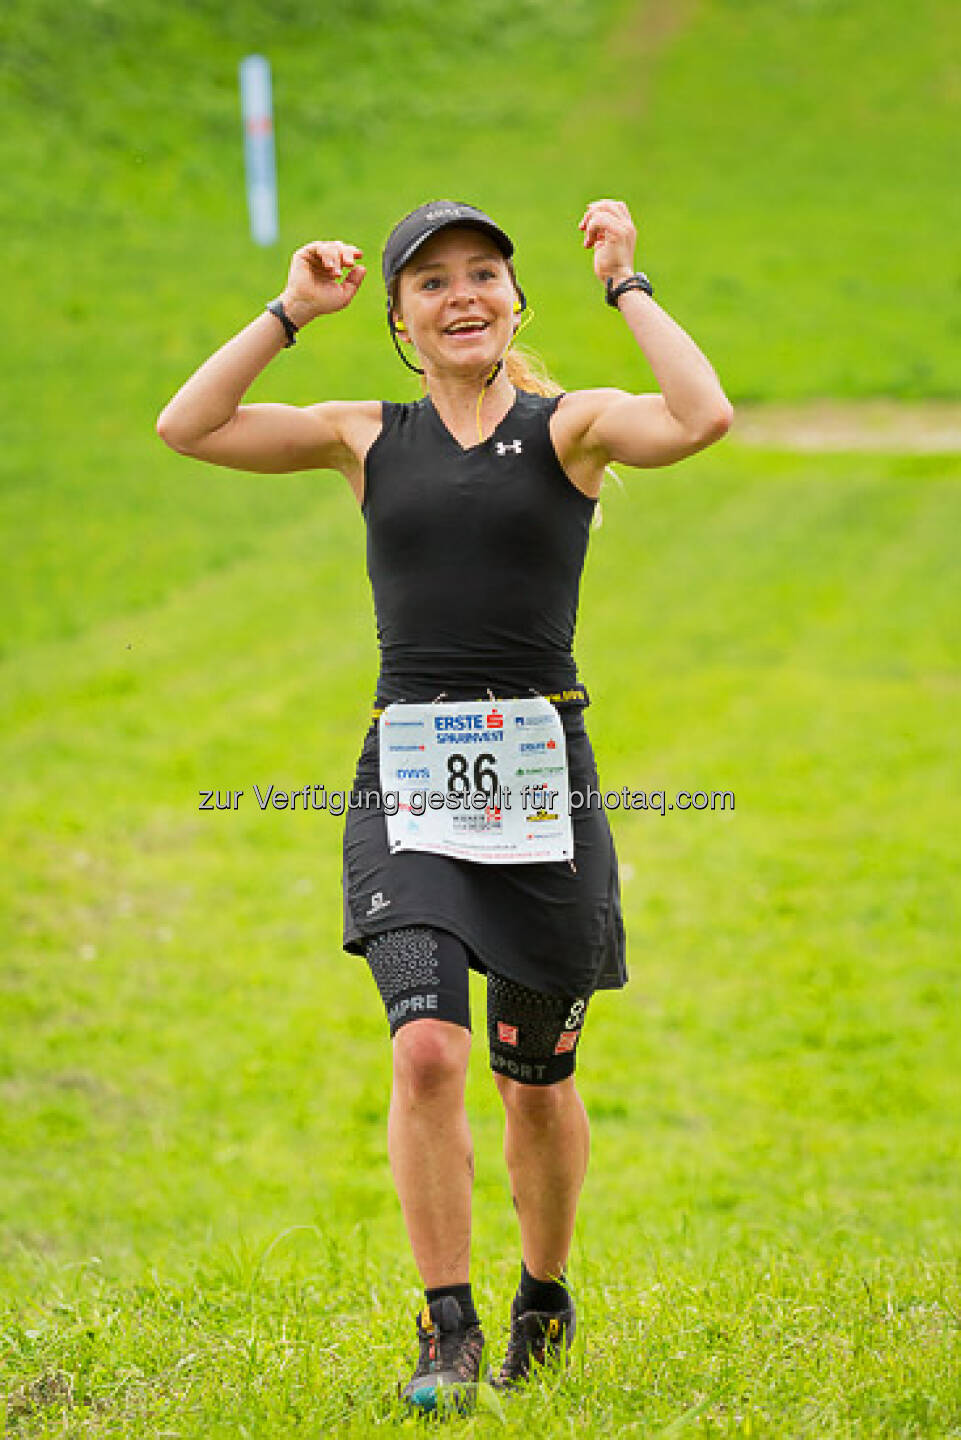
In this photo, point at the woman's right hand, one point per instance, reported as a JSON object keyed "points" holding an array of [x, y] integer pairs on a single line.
{"points": [[324, 277]]}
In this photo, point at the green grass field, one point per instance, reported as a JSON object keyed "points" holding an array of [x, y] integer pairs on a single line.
{"points": [[198, 1232]]}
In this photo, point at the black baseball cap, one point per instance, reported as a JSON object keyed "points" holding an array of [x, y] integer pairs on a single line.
{"points": [[417, 228]]}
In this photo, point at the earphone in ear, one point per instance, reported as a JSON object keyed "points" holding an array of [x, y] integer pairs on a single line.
{"points": [[399, 325], [518, 307]]}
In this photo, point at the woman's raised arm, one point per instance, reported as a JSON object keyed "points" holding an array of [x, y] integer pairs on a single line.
{"points": [[691, 410], [205, 418]]}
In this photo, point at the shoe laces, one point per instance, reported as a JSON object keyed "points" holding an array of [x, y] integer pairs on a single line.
{"points": [[449, 1348], [530, 1340]]}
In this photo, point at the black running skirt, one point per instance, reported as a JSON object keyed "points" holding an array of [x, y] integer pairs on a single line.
{"points": [[551, 926]]}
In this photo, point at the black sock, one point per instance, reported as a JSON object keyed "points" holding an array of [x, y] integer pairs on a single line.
{"points": [[534, 1294], [462, 1294]]}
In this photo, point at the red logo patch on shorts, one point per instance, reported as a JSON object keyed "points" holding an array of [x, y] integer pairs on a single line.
{"points": [[506, 1034], [567, 1042]]}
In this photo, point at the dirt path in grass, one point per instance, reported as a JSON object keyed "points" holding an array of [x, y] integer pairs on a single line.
{"points": [[910, 427]]}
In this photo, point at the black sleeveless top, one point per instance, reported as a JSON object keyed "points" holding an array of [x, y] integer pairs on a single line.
{"points": [[474, 556]]}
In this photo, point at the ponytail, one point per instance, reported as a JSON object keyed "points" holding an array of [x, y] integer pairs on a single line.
{"points": [[527, 371]]}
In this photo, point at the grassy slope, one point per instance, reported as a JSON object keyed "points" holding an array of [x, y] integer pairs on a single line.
{"points": [[192, 1065], [189, 1065]]}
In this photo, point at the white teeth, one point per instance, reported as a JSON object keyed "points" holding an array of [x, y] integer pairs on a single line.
{"points": [[466, 325]]}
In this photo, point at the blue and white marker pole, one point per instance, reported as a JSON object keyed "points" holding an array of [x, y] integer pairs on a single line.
{"points": [[257, 106]]}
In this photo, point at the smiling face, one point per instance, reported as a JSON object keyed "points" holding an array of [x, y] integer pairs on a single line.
{"points": [[456, 299]]}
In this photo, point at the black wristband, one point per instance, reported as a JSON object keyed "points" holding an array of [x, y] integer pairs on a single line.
{"points": [[613, 293], [276, 308]]}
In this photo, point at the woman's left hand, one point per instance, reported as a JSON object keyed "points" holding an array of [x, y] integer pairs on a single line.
{"points": [[610, 232]]}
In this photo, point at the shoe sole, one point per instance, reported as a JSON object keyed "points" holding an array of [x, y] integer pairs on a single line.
{"points": [[460, 1396]]}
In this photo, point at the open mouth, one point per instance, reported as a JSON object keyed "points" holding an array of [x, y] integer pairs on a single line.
{"points": [[466, 327]]}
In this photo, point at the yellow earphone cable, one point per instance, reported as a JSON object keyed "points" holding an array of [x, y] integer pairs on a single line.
{"points": [[494, 369]]}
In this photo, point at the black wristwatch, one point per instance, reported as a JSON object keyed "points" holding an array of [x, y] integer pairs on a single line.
{"points": [[639, 281], [276, 308]]}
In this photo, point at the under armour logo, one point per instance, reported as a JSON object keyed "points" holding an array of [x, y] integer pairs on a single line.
{"points": [[503, 449]]}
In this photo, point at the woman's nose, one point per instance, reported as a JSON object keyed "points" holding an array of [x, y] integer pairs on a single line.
{"points": [[461, 289]]}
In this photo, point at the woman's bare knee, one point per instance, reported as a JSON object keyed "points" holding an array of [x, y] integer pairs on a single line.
{"points": [[429, 1057], [535, 1104]]}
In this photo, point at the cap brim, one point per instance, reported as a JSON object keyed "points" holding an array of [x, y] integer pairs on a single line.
{"points": [[494, 232]]}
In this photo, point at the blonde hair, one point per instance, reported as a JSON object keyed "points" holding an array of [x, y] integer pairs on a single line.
{"points": [[527, 371]]}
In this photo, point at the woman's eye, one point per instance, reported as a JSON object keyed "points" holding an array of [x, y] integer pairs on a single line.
{"points": [[486, 273]]}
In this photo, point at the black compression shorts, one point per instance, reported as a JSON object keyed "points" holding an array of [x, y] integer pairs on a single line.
{"points": [[422, 973]]}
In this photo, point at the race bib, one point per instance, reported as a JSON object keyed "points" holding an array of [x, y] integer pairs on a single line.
{"points": [[477, 780]]}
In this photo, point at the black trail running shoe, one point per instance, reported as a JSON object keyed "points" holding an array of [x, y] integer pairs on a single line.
{"points": [[449, 1364], [537, 1337]]}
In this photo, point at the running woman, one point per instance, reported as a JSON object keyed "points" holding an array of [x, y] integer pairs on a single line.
{"points": [[478, 500]]}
